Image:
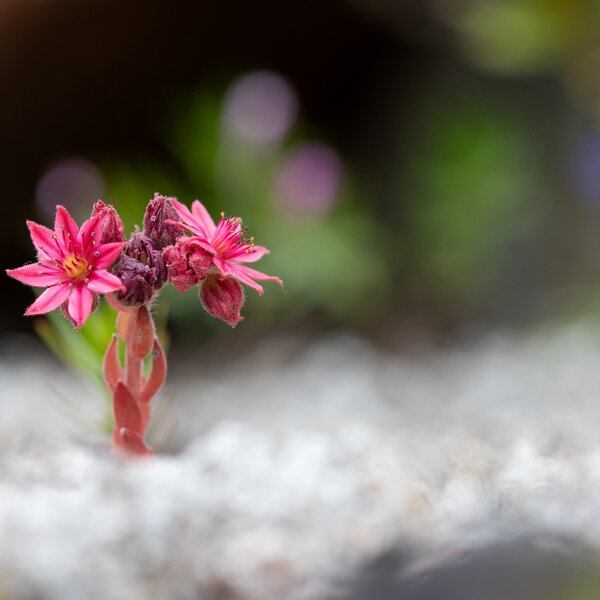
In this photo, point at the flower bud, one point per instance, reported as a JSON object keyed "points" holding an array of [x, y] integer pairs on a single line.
{"points": [[141, 269], [223, 298], [187, 263], [160, 233], [111, 227]]}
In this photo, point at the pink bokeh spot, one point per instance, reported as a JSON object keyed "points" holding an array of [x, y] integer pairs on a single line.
{"points": [[309, 181], [73, 182], [260, 108]]}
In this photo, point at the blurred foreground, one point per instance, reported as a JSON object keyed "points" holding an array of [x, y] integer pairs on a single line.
{"points": [[319, 470]]}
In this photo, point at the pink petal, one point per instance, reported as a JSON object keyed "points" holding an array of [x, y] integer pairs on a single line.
{"points": [[52, 298], [105, 255], [256, 274], [247, 275], [202, 215], [229, 269], [66, 229], [103, 282], [191, 229], [189, 220], [249, 282], [37, 274], [80, 304], [255, 254], [89, 234], [45, 241], [198, 242]]}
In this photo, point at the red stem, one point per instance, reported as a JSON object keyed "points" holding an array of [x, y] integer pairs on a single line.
{"points": [[132, 393], [133, 363]]}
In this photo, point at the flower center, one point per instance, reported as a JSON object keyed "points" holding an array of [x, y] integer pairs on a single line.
{"points": [[75, 266], [229, 238]]}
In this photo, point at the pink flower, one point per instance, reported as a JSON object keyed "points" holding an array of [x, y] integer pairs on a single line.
{"points": [[224, 243], [71, 264]]}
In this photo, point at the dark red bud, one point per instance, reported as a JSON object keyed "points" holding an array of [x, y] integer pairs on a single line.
{"points": [[111, 227], [141, 269], [223, 298], [158, 211]]}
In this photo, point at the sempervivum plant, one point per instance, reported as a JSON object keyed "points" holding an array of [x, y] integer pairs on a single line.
{"points": [[78, 264]]}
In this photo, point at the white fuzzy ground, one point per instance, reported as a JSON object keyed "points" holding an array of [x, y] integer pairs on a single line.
{"points": [[295, 466]]}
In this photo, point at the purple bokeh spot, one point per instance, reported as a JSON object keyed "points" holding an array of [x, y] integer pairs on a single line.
{"points": [[584, 170], [260, 108], [309, 180], [75, 183]]}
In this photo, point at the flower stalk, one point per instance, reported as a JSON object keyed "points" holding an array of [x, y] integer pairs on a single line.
{"points": [[132, 392], [77, 265]]}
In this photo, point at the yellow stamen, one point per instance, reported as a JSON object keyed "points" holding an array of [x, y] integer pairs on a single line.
{"points": [[75, 266]]}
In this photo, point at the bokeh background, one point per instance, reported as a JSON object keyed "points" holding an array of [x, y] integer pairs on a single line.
{"points": [[423, 171], [415, 167]]}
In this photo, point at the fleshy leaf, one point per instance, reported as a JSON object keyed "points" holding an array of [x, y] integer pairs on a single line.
{"points": [[111, 367], [133, 445], [127, 413], [123, 325], [157, 374], [143, 332]]}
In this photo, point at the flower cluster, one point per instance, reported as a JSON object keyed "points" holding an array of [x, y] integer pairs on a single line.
{"points": [[77, 264], [73, 262], [215, 256]]}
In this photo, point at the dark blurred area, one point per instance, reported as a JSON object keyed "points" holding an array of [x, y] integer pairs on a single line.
{"points": [[411, 165], [525, 569]]}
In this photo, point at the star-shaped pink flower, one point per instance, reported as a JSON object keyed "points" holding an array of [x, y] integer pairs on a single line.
{"points": [[225, 244], [71, 264]]}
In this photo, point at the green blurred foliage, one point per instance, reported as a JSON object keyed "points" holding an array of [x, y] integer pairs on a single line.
{"points": [[524, 36], [584, 585], [82, 349], [330, 264], [516, 36], [474, 177]]}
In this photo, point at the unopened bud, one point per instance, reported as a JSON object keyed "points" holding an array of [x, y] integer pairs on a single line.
{"points": [[223, 298], [160, 233], [141, 269], [111, 226], [187, 263]]}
